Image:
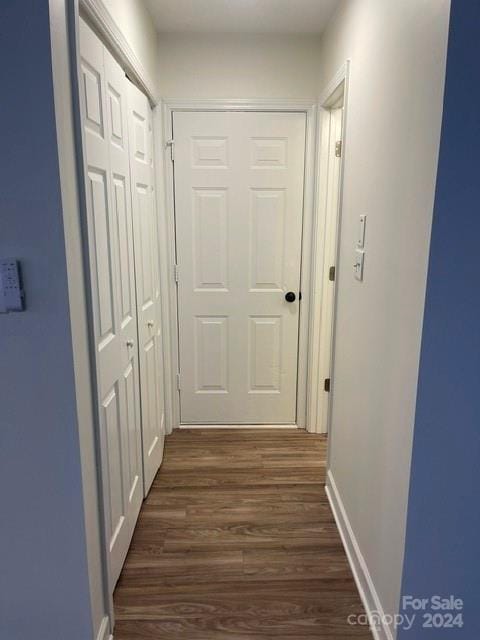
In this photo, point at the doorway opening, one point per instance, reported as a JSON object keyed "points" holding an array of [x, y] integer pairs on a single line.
{"points": [[331, 143]]}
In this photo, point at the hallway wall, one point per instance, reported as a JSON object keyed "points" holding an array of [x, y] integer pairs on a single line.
{"points": [[397, 52], [442, 552], [44, 582], [238, 66]]}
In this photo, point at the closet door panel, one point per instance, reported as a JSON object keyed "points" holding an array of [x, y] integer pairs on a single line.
{"points": [[107, 184], [147, 282], [159, 370], [117, 129]]}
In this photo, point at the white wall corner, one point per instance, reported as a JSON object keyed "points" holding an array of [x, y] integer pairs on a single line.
{"points": [[361, 574]]}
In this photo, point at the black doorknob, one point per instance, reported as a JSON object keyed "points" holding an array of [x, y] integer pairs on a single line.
{"points": [[290, 296]]}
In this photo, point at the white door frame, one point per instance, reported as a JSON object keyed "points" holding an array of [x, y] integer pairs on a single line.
{"points": [[168, 242], [322, 342]]}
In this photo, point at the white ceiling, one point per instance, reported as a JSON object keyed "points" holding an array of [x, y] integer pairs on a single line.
{"points": [[241, 16]]}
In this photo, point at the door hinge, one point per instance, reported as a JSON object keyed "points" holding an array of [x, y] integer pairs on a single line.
{"points": [[299, 295], [326, 384], [178, 382], [338, 149], [176, 273], [171, 144], [331, 274]]}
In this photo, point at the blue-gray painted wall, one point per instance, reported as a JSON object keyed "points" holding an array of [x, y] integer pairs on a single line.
{"points": [[43, 565], [442, 554]]}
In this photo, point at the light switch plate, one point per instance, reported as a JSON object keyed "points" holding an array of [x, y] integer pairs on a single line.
{"points": [[361, 231], [359, 263], [11, 291]]}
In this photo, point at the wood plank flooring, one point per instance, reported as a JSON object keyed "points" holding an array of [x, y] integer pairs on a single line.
{"points": [[236, 541]]}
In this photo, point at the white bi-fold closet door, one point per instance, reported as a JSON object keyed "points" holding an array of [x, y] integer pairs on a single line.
{"points": [[117, 138], [148, 281], [239, 180]]}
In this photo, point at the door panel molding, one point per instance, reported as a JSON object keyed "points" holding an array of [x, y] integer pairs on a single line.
{"points": [[219, 154]]}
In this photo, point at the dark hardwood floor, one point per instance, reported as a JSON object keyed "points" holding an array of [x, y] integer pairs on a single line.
{"points": [[236, 541]]}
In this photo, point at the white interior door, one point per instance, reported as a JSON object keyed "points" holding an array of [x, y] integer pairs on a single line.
{"points": [[239, 180], [325, 351], [148, 281], [107, 176]]}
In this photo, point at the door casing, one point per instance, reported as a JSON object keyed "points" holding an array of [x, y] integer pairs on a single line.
{"points": [[302, 106], [327, 236]]}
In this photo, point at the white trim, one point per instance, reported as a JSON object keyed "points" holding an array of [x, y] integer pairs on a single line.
{"points": [[167, 255], [306, 281], [63, 29], [329, 91], [361, 574], [320, 365], [168, 243], [238, 426], [104, 631], [240, 104], [99, 18], [168, 248]]}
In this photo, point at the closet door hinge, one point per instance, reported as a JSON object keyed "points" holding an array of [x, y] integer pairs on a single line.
{"points": [[338, 149], [176, 272], [171, 144], [326, 384], [178, 382], [331, 274]]}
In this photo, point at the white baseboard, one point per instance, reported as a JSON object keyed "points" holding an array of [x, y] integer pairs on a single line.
{"points": [[104, 630], [237, 426], [362, 577]]}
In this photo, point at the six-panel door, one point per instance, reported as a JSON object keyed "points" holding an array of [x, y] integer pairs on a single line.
{"points": [[148, 282], [110, 234], [238, 203]]}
